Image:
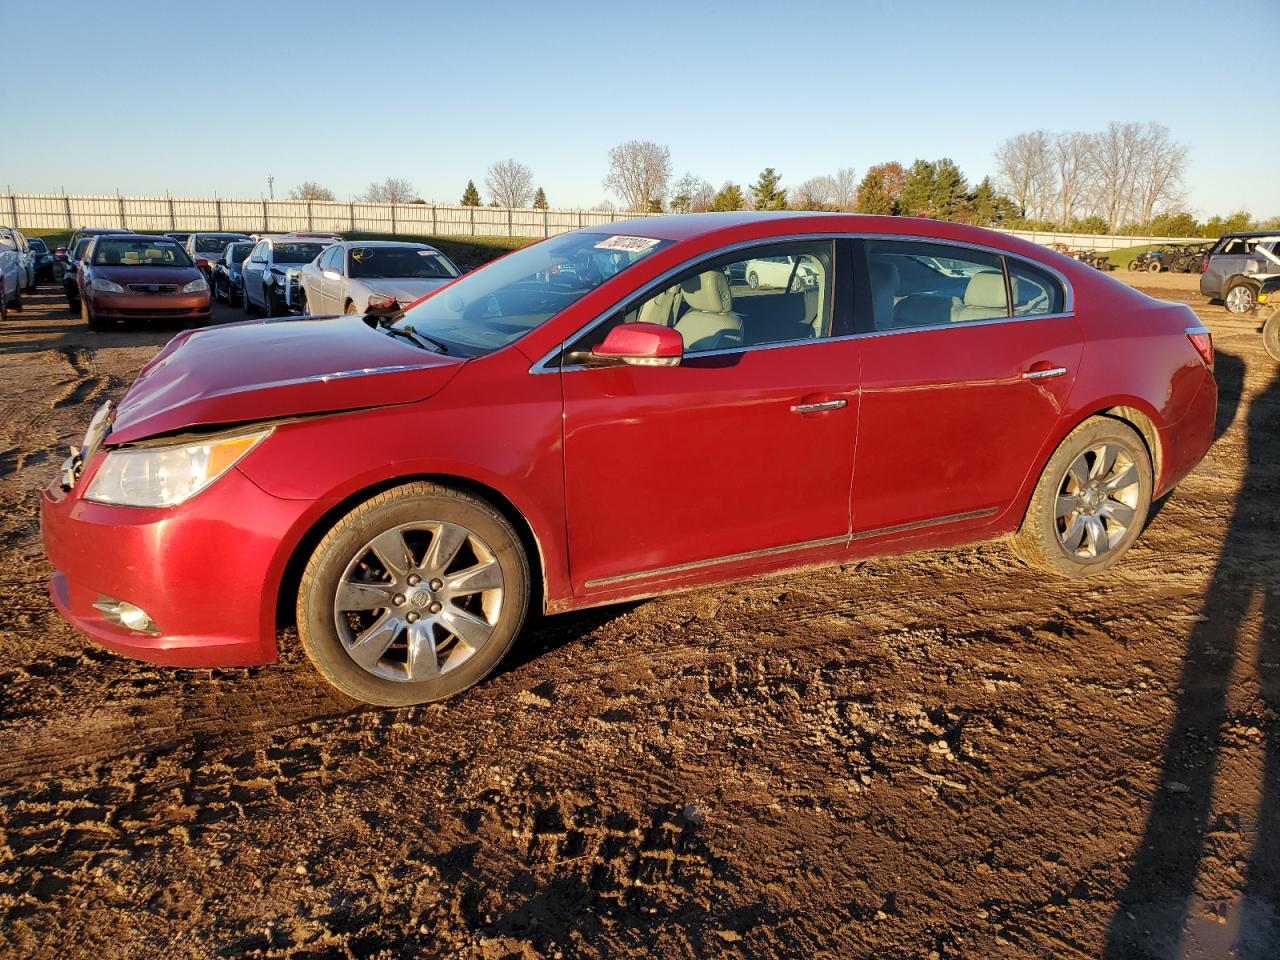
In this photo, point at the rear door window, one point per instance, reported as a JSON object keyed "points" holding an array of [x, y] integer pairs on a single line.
{"points": [[920, 284]]}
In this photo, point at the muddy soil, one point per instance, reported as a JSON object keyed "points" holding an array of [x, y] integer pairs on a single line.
{"points": [[942, 755]]}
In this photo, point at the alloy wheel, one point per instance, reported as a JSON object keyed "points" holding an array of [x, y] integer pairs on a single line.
{"points": [[418, 600], [1239, 299], [1097, 501]]}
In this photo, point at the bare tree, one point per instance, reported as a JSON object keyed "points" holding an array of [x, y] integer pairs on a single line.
{"points": [[390, 190], [510, 183], [310, 190], [1070, 153], [816, 193], [1115, 156], [639, 172], [691, 194], [1026, 171], [1158, 180], [845, 185]]}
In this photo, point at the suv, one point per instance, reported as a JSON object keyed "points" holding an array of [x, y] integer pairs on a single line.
{"points": [[1236, 267]]}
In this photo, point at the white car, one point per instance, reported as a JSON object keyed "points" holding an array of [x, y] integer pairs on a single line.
{"points": [[357, 276], [268, 271], [777, 273]]}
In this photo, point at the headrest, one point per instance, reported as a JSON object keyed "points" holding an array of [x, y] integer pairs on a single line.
{"points": [[884, 274], [708, 292], [129, 256], [986, 290]]}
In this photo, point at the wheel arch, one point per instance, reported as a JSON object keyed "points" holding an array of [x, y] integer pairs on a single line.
{"points": [[286, 590]]}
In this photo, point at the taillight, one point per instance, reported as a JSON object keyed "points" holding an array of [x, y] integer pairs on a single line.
{"points": [[1202, 340], [1204, 266]]}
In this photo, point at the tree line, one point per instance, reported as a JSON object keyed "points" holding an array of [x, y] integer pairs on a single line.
{"points": [[1126, 179]]}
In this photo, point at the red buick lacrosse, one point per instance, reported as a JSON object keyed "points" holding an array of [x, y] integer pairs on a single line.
{"points": [[615, 413]]}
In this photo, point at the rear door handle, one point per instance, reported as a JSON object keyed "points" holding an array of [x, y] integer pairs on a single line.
{"points": [[819, 406], [1043, 372]]}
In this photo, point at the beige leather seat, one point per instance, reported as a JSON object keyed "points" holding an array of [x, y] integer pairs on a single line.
{"points": [[984, 298], [659, 308], [709, 323]]}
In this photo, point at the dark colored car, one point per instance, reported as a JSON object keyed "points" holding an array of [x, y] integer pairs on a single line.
{"points": [[178, 235], [71, 270], [138, 277], [227, 277], [205, 248], [44, 260], [413, 488], [91, 232]]}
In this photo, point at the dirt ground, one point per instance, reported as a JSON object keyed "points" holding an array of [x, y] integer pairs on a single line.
{"points": [[935, 756]]}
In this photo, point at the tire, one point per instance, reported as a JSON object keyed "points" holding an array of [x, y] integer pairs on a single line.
{"points": [[1155, 266], [17, 301], [1068, 545], [302, 301], [250, 308], [1240, 297], [274, 307], [90, 318], [1133, 265], [1271, 335], [753, 281], [4, 303], [407, 519]]}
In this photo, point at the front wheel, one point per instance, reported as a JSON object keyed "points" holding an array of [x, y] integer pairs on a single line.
{"points": [[1133, 265], [1090, 502], [91, 319], [1271, 335], [1155, 266], [1240, 298], [250, 308], [413, 596]]}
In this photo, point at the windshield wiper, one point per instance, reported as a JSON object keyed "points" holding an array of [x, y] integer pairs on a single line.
{"points": [[410, 332]]}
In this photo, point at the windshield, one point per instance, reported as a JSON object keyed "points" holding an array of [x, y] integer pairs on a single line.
{"points": [[212, 244], [237, 252], [298, 252], [110, 252], [501, 302], [405, 263]]}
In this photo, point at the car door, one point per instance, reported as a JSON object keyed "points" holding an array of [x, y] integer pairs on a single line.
{"points": [[960, 391], [253, 271], [741, 453], [335, 281]]}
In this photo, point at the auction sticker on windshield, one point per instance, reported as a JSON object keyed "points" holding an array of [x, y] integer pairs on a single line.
{"points": [[628, 244]]}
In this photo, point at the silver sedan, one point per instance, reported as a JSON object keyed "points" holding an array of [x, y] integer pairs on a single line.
{"points": [[357, 276]]}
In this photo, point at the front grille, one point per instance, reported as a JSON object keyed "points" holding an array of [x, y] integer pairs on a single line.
{"points": [[154, 287]]}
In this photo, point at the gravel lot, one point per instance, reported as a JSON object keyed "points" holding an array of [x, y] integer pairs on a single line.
{"points": [[933, 756]]}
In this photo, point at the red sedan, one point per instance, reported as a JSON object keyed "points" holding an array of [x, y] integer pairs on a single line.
{"points": [[139, 277], [616, 413]]}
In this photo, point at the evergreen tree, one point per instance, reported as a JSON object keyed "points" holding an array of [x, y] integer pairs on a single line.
{"points": [[729, 197], [880, 189], [540, 200], [765, 192], [655, 205], [471, 196], [918, 190]]}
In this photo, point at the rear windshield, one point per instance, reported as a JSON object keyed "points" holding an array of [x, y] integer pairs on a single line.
{"points": [[212, 244], [298, 252], [37, 244], [408, 263], [139, 253]]}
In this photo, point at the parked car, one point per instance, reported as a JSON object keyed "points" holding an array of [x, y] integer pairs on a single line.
{"points": [[139, 277], [334, 237], [778, 273], [266, 281], [17, 241], [1269, 309], [90, 232], [12, 275], [1237, 265], [177, 235], [71, 271], [205, 248], [226, 275], [411, 488], [364, 275], [44, 261]]}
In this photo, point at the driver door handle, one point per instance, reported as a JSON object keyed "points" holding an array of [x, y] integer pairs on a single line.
{"points": [[1042, 371], [819, 406]]}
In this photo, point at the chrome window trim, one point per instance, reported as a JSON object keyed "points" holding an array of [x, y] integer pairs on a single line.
{"points": [[1068, 308]]}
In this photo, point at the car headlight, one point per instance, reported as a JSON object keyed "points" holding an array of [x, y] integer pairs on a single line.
{"points": [[165, 476], [106, 286], [198, 285]]}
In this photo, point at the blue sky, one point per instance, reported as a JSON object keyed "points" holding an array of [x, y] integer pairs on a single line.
{"points": [[208, 97]]}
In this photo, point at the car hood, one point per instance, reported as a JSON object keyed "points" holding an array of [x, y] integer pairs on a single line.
{"points": [[405, 291], [142, 274], [265, 369]]}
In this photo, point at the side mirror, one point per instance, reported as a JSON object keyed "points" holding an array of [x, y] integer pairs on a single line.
{"points": [[641, 344]]}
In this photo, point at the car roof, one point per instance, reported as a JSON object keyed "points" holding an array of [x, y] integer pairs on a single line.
{"points": [[149, 237], [218, 233], [387, 243], [1250, 234]]}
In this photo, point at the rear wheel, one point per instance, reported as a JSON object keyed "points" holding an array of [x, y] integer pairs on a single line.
{"points": [[1090, 502], [250, 308], [1241, 297], [1271, 334], [1133, 264], [413, 596], [1155, 266]]}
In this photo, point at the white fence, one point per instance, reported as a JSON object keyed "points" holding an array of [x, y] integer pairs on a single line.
{"points": [[31, 211], [61, 212]]}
